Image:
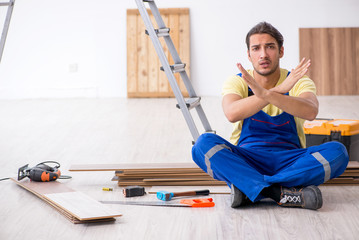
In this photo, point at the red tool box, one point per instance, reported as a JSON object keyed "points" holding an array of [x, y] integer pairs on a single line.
{"points": [[345, 131]]}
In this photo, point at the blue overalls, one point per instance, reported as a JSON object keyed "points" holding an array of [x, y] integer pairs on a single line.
{"points": [[268, 152]]}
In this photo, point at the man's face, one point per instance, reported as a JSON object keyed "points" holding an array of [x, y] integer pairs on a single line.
{"points": [[264, 53]]}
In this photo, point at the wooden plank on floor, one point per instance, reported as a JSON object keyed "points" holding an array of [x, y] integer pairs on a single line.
{"points": [[353, 165], [177, 179], [81, 205], [75, 206], [178, 183], [134, 166], [156, 174], [154, 167]]}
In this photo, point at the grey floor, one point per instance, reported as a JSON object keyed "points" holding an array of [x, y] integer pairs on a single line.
{"points": [[80, 131]]}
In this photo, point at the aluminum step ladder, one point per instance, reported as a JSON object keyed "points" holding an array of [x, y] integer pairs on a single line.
{"points": [[185, 105], [10, 6]]}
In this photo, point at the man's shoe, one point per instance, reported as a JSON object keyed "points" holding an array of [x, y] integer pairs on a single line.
{"points": [[238, 198], [309, 197]]}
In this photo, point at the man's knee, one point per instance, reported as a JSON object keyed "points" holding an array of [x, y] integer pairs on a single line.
{"points": [[206, 137], [336, 147], [337, 154], [200, 148], [205, 143], [206, 140]]}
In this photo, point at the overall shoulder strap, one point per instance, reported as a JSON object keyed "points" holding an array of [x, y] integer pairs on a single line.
{"points": [[250, 92]]}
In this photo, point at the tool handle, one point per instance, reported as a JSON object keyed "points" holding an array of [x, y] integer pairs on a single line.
{"points": [[191, 193], [203, 202], [40, 175]]}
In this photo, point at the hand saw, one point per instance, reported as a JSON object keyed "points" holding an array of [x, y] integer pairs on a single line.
{"points": [[203, 202]]}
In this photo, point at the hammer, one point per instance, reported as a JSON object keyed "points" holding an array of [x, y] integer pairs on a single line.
{"points": [[166, 196]]}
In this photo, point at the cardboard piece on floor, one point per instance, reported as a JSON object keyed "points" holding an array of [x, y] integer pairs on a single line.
{"points": [[75, 206]]}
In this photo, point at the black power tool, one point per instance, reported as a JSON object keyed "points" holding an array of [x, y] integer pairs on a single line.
{"points": [[40, 173]]}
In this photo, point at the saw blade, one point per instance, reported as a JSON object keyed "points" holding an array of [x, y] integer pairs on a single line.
{"points": [[147, 203], [23, 172]]}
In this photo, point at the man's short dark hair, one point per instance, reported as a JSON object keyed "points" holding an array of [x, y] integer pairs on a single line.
{"points": [[264, 27]]}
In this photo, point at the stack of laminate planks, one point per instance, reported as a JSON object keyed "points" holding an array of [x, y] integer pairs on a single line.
{"points": [[75, 206], [350, 175], [191, 176], [154, 174], [182, 174]]}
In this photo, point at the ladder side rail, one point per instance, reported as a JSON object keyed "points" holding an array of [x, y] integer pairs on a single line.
{"points": [[199, 108], [6, 26], [203, 118], [187, 83], [163, 59], [172, 49]]}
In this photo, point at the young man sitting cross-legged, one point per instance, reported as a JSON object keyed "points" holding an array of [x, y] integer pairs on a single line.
{"points": [[266, 156]]}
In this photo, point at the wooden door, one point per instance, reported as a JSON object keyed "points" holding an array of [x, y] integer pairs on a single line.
{"points": [[335, 59], [144, 77]]}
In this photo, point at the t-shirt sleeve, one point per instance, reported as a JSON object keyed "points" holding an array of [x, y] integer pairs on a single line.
{"points": [[235, 85], [305, 84]]}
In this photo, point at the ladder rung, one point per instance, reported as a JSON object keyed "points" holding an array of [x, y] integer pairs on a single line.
{"points": [[162, 32], [148, 0], [191, 102], [180, 67], [5, 3]]}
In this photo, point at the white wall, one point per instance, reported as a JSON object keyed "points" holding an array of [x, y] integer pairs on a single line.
{"points": [[77, 48]]}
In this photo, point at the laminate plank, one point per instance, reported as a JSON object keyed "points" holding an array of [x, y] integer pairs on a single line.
{"points": [[76, 206], [82, 206], [156, 174], [177, 179], [170, 183], [137, 167]]}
